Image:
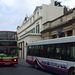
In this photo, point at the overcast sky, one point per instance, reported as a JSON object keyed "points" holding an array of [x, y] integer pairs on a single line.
{"points": [[13, 12]]}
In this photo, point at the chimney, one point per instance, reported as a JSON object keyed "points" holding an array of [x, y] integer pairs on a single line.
{"points": [[65, 10], [52, 2], [26, 18]]}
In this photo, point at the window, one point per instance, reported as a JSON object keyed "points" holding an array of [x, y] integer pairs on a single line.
{"points": [[60, 52], [71, 52], [62, 35], [57, 51], [31, 31], [37, 14], [63, 52], [29, 50], [7, 52], [8, 43], [54, 36], [36, 51], [42, 51], [37, 29], [8, 36], [69, 33], [32, 50], [50, 51]]}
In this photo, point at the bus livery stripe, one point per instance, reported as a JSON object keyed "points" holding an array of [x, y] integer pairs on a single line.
{"points": [[54, 67], [30, 61]]}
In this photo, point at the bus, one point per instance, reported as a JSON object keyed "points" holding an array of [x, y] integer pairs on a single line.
{"points": [[55, 55], [8, 48]]}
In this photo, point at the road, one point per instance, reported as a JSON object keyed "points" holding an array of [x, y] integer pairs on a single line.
{"points": [[22, 69]]}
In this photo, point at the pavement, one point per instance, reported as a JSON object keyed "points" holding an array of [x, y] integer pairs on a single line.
{"points": [[23, 62]]}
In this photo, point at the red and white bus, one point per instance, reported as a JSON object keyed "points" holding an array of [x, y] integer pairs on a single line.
{"points": [[8, 47], [55, 55]]}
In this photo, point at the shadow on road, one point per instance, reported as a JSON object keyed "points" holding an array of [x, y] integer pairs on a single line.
{"points": [[43, 70], [3, 66]]}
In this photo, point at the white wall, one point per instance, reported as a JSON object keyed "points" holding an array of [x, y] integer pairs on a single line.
{"points": [[51, 12]]}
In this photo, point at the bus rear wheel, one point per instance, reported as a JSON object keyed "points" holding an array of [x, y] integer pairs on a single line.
{"points": [[72, 71]]}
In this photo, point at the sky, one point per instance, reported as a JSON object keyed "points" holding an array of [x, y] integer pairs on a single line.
{"points": [[13, 12]]}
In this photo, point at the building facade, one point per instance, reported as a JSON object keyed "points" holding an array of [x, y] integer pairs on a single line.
{"points": [[31, 28], [62, 26]]}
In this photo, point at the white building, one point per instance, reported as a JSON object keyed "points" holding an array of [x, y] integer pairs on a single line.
{"points": [[31, 27]]}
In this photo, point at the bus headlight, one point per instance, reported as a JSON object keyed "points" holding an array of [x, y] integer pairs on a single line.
{"points": [[14, 59]]}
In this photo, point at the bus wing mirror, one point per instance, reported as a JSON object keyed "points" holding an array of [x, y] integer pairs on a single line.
{"points": [[20, 48]]}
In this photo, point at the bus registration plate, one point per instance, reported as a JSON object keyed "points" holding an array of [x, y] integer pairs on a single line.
{"points": [[7, 63]]}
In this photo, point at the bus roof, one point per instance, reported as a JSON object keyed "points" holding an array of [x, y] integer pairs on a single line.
{"points": [[54, 41], [9, 31]]}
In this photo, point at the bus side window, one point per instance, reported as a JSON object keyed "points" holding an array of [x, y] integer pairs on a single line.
{"points": [[71, 52], [36, 51], [63, 52], [51, 51], [48, 51], [32, 50], [60, 52], [29, 50], [41, 51], [57, 53]]}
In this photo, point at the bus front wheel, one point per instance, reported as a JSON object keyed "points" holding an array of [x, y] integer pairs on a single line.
{"points": [[71, 71], [35, 65]]}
